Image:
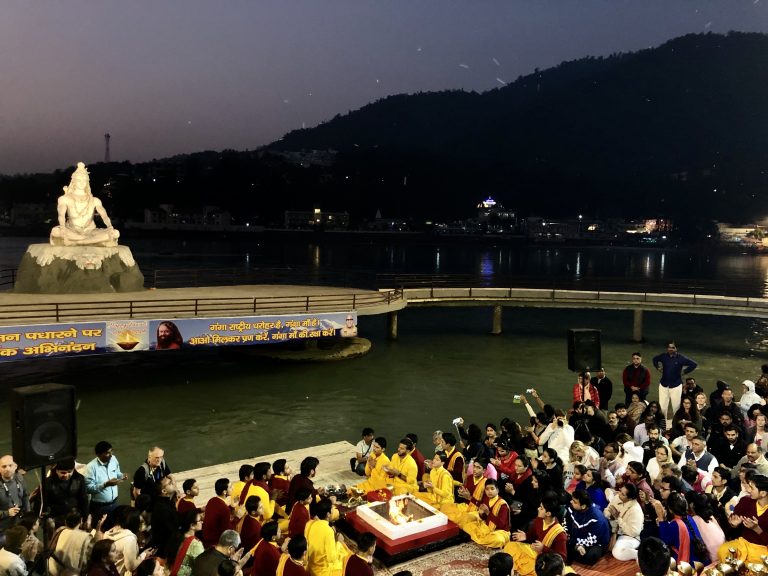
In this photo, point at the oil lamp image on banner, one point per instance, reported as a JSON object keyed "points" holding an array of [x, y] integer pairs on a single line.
{"points": [[127, 336]]}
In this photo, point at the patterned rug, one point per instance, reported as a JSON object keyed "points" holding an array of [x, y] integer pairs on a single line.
{"points": [[462, 560]]}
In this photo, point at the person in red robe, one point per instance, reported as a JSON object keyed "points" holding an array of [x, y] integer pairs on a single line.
{"points": [[416, 455], [300, 513], [455, 464], [360, 564], [218, 515], [292, 563], [280, 481], [191, 490], [249, 526], [266, 554], [303, 479]]}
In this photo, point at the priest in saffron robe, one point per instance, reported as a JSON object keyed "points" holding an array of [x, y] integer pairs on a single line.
{"points": [[545, 535], [471, 493], [374, 467], [402, 470], [440, 483], [280, 482], [489, 525], [750, 513], [258, 486], [325, 551]]}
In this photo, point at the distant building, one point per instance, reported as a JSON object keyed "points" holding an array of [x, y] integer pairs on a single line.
{"points": [[315, 219], [493, 217]]}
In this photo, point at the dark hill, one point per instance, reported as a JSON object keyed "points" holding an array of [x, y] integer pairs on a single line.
{"points": [[681, 129]]}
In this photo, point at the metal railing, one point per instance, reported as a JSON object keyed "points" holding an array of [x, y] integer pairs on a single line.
{"points": [[584, 283], [7, 277], [192, 307], [197, 277]]}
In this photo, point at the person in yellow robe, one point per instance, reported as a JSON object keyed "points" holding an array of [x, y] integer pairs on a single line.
{"points": [[402, 469], [544, 535], [471, 493], [325, 550], [489, 526], [439, 484], [258, 486], [374, 467]]}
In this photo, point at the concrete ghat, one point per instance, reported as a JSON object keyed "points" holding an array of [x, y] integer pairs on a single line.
{"points": [[333, 468]]}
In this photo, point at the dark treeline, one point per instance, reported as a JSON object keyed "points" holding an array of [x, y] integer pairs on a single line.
{"points": [[680, 131]]}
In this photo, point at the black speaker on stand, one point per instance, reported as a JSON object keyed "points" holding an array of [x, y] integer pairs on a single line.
{"points": [[43, 424], [584, 350]]}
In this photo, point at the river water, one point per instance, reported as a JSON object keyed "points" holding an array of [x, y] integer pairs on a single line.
{"points": [[220, 405]]}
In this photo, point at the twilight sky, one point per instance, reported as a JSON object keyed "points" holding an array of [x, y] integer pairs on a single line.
{"points": [[175, 76]]}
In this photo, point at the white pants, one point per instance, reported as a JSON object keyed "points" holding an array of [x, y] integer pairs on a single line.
{"points": [[625, 548], [669, 396]]}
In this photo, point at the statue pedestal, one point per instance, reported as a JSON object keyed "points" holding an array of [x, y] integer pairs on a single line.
{"points": [[47, 269]]}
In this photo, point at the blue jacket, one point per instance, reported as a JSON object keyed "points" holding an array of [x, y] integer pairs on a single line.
{"points": [[672, 368], [587, 527]]}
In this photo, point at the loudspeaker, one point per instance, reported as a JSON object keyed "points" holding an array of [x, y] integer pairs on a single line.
{"points": [[43, 424], [584, 352]]}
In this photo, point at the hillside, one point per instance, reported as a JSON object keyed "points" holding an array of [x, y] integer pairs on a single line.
{"points": [[681, 129]]}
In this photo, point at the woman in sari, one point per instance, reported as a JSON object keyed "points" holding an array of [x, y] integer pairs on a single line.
{"points": [[681, 533], [186, 547]]}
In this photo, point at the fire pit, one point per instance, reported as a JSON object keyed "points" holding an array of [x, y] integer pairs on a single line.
{"points": [[401, 517]]}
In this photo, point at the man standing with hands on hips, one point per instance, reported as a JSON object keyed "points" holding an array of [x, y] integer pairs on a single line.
{"points": [[673, 366]]}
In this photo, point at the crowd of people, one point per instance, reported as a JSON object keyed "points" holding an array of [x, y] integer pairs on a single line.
{"points": [[575, 483]]}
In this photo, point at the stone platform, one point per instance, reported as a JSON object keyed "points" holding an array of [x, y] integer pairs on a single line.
{"points": [[47, 269]]}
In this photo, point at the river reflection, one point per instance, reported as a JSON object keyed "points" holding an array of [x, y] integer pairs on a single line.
{"points": [[220, 405]]}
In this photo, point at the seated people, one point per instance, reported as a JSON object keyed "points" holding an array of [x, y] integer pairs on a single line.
{"points": [[325, 549], [455, 464], [374, 468], [750, 514], [249, 526], [218, 516], [307, 471], [588, 530], [280, 482], [266, 553], [362, 451], [440, 483], [500, 564], [402, 470], [653, 557], [471, 493], [627, 518], [545, 535], [299, 513], [360, 563], [292, 562], [489, 525], [258, 486], [681, 532]]}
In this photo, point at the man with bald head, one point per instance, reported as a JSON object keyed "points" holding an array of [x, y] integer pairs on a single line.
{"points": [[13, 496]]}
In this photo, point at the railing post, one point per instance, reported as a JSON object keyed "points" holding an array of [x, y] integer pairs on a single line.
{"points": [[307, 305], [130, 309], [58, 319], [254, 305], [354, 301], [196, 301]]}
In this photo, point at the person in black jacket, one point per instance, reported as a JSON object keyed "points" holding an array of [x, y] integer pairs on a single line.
{"points": [[64, 490]]}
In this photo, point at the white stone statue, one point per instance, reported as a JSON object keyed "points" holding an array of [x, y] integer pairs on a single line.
{"points": [[76, 209]]}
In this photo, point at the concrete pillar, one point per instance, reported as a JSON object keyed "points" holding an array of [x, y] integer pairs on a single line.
{"points": [[496, 322], [637, 326], [392, 325]]}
